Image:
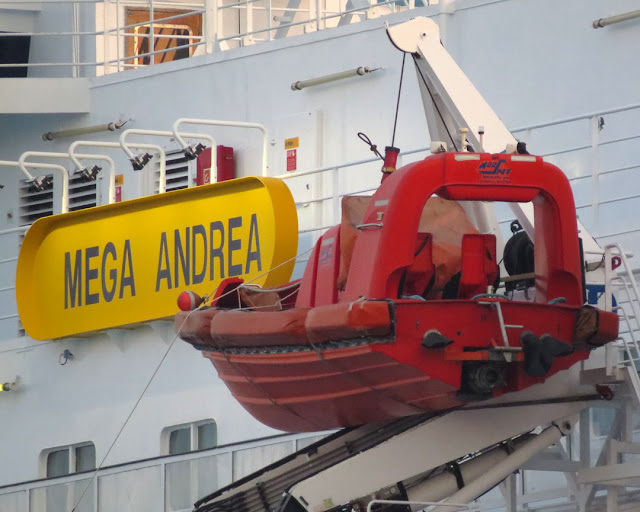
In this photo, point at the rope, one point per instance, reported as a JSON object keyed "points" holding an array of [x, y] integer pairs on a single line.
{"points": [[374, 149], [395, 121], [293, 258], [155, 372], [256, 288], [126, 421]]}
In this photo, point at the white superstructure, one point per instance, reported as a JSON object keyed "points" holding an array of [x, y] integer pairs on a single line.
{"points": [[567, 89]]}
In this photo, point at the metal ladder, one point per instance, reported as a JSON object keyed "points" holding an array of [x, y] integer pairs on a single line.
{"points": [[625, 287]]}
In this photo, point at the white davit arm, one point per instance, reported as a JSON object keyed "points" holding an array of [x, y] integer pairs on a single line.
{"points": [[451, 104]]}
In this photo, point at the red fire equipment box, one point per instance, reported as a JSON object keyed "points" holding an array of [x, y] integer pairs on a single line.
{"points": [[225, 165]]}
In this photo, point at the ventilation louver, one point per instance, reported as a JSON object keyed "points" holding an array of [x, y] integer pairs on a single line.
{"points": [[180, 172], [82, 193], [35, 203]]}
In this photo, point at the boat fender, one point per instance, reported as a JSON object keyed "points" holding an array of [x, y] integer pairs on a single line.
{"points": [[535, 364], [519, 258], [188, 300], [555, 347], [539, 352], [433, 339], [594, 328]]}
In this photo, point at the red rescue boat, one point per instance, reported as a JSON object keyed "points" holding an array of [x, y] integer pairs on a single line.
{"points": [[392, 316]]}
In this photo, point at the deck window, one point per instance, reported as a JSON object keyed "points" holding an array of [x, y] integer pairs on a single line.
{"points": [[189, 437], [65, 460]]}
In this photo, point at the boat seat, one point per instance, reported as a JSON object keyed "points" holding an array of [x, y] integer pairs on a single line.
{"points": [[420, 275], [479, 265]]}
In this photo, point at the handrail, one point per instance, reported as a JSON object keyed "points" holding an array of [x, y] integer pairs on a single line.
{"points": [[114, 145], [579, 117], [163, 133], [64, 207], [67, 156], [138, 467], [233, 124], [330, 15], [631, 285], [15, 230], [626, 285], [291, 175], [315, 15]]}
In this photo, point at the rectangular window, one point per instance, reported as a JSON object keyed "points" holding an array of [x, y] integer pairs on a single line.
{"points": [[69, 459], [85, 458], [207, 436], [58, 463], [189, 437], [173, 30], [180, 441]]}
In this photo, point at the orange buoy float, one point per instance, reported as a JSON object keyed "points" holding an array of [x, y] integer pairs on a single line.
{"points": [[188, 300]]}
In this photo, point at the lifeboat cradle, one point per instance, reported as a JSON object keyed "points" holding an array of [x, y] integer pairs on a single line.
{"points": [[317, 355]]}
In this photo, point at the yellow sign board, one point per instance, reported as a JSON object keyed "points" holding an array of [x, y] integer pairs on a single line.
{"points": [[292, 143], [126, 263]]}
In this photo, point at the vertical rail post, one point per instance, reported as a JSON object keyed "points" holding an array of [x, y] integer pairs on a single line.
{"points": [[511, 497], [335, 183], [246, 38], [611, 359], [585, 437], [318, 15], [152, 41], [75, 40], [595, 171], [163, 485], [612, 491], [608, 276], [316, 194], [105, 39], [96, 489], [210, 25], [118, 35]]}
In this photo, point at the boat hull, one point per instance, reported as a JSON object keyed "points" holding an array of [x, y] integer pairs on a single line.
{"points": [[292, 378]]}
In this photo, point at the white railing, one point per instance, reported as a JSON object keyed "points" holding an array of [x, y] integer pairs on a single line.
{"points": [[171, 483], [193, 28], [366, 185], [594, 147], [337, 189], [622, 287], [7, 267]]}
